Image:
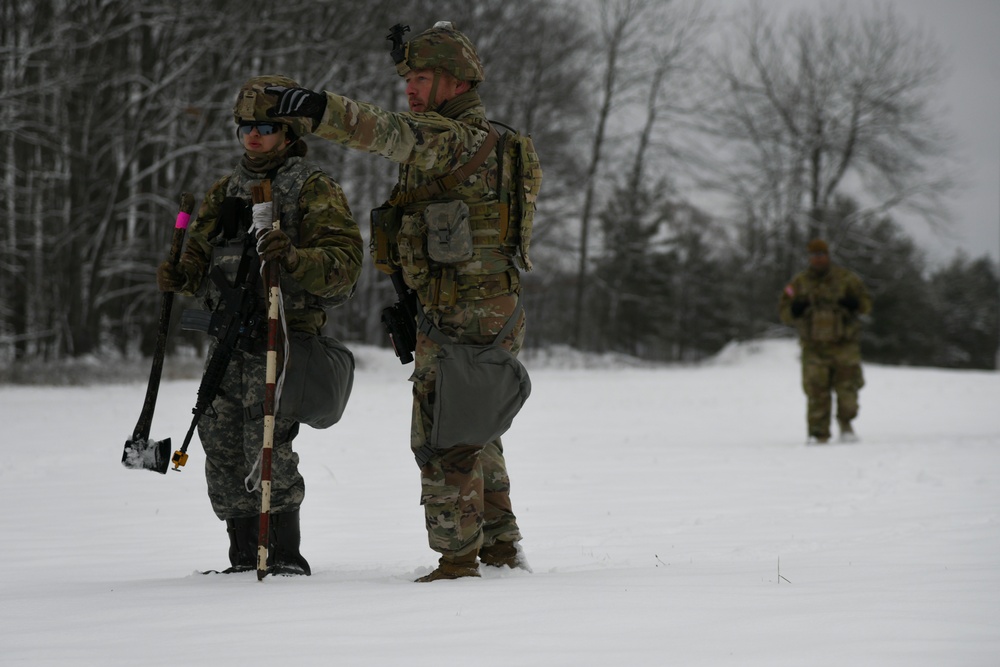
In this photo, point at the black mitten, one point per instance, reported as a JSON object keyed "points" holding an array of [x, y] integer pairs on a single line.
{"points": [[849, 302]]}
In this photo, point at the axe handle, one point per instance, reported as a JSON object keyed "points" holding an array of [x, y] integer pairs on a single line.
{"points": [[142, 427]]}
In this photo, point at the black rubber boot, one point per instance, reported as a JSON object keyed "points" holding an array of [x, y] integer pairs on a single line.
{"points": [[283, 556], [242, 543]]}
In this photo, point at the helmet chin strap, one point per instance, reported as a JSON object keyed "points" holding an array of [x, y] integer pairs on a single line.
{"points": [[432, 97]]}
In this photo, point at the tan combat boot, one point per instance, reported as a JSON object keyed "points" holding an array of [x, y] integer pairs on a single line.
{"points": [[503, 554], [453, 567]]}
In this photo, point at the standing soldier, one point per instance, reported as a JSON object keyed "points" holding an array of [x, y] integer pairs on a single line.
{"points": [[824, 303], [319, 249], [449, 173]]}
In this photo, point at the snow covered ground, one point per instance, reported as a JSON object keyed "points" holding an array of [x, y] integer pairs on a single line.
{"points": [[672, 516]]}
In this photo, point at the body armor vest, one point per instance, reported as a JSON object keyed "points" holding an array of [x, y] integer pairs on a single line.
{"points": [[229, 241]]}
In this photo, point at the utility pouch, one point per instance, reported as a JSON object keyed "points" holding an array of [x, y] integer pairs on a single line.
{"points": [[826, 326], [479, 389], [318, 380], [385, 223], [449, 236]]}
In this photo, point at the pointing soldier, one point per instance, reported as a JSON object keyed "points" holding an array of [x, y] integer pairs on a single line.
{"points": [[444, 148]]}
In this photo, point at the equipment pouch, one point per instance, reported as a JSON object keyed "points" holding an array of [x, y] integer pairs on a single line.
{"points": [[318, 380], [449, 236], [385, 224], [825, 326], [479, 390]]}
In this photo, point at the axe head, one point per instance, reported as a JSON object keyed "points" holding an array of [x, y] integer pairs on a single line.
{"points": [[145, 454]]}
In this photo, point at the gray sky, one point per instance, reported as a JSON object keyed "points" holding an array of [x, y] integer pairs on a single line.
{"points": [[969, 107]]}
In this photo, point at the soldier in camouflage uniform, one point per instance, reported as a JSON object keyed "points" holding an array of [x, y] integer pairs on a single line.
{"points": [[319, 248], [464, 489], [824, 303]]}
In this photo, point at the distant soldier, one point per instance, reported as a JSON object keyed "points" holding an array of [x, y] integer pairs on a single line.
{"points": [[464, 275], [320, 251], [824, 303]]}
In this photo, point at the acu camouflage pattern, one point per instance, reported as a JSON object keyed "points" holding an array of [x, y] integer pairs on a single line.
{"points": [[315, 216], [232, 444], [829, 336], [466, 490]]}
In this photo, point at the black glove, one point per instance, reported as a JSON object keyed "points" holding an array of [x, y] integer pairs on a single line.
{"points": [[849, 302], [799, 306], [169, 277], [297, 102], [275, 245]]}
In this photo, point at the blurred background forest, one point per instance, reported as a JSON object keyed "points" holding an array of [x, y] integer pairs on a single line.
{"points": [[687, 157]]}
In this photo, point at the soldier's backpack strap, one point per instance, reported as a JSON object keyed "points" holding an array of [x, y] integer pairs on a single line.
{"points": [[451, 180]]}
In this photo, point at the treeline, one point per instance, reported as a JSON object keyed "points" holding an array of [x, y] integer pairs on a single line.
{"points": [[112, 108]]}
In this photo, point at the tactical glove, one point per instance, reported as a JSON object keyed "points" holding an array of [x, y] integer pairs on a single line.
{"points": [[275, 245], [799, 306], [849, 302], [297, 102], [170, 277]]}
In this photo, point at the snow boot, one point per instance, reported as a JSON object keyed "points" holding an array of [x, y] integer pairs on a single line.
{"points": [[502, 554], [453, 567], [283, 557], [846, 431], [242, 544]]}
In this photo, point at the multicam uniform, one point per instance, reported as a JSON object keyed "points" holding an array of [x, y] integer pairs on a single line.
{"points": [[829, 335], [464, 490]]}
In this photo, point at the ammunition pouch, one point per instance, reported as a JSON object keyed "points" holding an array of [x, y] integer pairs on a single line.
{"points": [[449, 236]]}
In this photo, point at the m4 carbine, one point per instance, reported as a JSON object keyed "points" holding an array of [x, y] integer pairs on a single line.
{"points": [[235, 326]]}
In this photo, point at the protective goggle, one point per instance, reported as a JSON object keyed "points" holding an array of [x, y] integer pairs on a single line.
{"points": [[263, 129]]}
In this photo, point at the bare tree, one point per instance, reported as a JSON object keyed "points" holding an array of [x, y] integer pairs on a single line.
{"points": [[825, 104]]}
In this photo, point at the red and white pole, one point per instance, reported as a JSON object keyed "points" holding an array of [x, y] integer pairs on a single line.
{"points": [[259, 194]]}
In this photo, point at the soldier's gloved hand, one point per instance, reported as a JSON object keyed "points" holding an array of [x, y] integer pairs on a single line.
{"points": [[275, 245], [297, 102], [799, 306], [170, 277], [849, 302]]}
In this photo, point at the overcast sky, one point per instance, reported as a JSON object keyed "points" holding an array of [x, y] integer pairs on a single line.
{"points": [[967, 31]]}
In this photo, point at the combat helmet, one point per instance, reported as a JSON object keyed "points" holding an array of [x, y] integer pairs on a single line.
{"points": [[443, 46], [252, 104]]}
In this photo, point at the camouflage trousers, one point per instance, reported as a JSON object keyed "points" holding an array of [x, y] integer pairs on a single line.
{"points": [[465, 490], [829, 369], [232, 441]]}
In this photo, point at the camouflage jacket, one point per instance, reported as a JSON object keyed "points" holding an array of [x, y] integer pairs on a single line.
{"points": [[314, 214], [427, 146], [827, 317]]}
